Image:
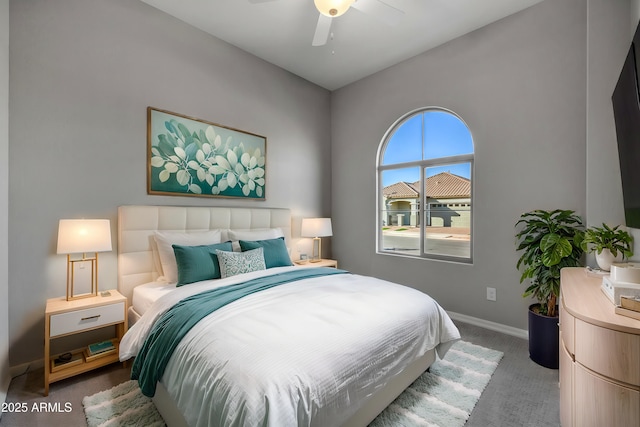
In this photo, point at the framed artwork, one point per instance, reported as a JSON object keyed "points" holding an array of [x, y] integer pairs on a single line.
{"points": [[192, 157]]}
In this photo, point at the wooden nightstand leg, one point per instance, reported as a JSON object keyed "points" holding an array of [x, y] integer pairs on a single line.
{"points": [[47, 350]]}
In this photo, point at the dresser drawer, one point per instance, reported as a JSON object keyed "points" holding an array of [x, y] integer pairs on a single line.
{"points": [[89, 318], [613, 354], [566, 386], [603, 403], [567, 327]]}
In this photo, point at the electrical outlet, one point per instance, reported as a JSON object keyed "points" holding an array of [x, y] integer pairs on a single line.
{"points": [[491, 294]]}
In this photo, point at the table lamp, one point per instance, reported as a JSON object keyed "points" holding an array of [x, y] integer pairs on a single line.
{"points": [[82, 236], [316, 228]]}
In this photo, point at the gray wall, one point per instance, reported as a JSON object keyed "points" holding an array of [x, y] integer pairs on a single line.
{"points": [[4, 199], [607, 43], [520, 86], [82, 74]]}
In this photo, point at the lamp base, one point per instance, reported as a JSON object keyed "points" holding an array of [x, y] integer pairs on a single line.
{"points": [[74, 268], [316, 252]]}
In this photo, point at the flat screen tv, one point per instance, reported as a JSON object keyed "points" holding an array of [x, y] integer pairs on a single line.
{"points": [[626, 110]]}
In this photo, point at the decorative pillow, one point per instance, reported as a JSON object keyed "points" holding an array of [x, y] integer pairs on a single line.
{"points": [[165, 241], [275, 251], [233, 263], [261, 234], [196, 263]]}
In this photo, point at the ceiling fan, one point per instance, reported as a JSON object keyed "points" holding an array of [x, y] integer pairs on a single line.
{"points": [[330, 9]]}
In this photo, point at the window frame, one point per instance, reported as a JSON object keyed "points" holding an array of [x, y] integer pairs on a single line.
{"points": [[423, 165]]}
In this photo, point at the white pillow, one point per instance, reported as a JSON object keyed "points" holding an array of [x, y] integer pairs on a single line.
{"points": [[165, 240], [155, 255], [252, 235]]}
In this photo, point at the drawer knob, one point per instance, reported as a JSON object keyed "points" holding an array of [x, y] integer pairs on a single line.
{"points": [[90, 317]]}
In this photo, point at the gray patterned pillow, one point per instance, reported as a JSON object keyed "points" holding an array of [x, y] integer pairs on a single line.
{"points": [[233, 263]]}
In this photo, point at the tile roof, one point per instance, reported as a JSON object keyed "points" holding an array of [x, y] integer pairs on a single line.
{"points": [[442, 185], [446, 184], [400, 190]]}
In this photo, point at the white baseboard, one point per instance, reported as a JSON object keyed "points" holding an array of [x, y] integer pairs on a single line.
{"points": [[493, 326]]}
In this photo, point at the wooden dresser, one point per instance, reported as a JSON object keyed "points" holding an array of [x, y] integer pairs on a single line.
{"points": [[599, 357]]}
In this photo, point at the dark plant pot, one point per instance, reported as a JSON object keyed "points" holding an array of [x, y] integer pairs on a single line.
{"points": [[544, 336]]}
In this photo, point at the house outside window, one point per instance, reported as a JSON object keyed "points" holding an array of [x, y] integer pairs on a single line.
{"points": [[425, 187]]}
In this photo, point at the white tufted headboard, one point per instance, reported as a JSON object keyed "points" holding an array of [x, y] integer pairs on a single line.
{"points": [[136, 226]]}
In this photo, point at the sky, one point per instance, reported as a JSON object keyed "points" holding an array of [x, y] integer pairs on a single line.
{"points": [[431, 135]]}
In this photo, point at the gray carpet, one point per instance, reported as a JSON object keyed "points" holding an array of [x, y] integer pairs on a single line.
{"points": [[520, 392]]}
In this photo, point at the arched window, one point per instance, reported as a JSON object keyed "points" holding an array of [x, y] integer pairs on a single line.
{"points": [[425, 187]]}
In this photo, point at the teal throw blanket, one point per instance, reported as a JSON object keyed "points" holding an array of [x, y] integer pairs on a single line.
{"points": [[173, 325]]}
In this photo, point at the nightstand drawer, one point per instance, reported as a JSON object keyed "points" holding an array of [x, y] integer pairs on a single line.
{"points": [[89, 318]]}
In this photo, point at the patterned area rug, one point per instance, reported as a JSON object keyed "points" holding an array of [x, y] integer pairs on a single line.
{"points": [[123, 405], [444, 396]]}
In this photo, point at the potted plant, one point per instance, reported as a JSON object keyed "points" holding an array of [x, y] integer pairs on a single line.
{"points": [[609, 244], [551, 240]]}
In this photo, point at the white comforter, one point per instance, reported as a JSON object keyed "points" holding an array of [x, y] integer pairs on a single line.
{"points": [[307, 353]]}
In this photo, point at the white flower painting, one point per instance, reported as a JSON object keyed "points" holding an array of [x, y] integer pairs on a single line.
{"points": [[193, 157]]}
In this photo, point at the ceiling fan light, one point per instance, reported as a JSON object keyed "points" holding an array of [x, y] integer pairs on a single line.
{"points": [[332, 8]]}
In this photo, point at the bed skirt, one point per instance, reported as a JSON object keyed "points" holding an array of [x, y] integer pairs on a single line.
{"points": [[371, 408]]}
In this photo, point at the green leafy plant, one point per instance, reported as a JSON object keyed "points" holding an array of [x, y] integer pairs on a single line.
{"points": [[551, 240], [598, 238], [201, 163]]}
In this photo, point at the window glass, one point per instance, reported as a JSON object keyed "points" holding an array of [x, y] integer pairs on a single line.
{"points": [[445, 135], [448, 211], [425, 187], [400, 214], [405, 144]]}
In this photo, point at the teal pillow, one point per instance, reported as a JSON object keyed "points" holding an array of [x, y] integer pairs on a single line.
{"points": [[196, 263], [276, 253], [233, 263]]}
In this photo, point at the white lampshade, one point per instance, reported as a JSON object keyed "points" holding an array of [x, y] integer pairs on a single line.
{"points": [[332, 8], [76, 236], [316, 227]]}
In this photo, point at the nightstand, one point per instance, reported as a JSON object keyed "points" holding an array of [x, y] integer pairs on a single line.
{"points": [[63, 318], [322, 263]]}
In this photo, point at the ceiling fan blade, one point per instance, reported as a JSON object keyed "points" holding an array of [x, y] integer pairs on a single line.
{"points": [[379, 10], [322, 30]]}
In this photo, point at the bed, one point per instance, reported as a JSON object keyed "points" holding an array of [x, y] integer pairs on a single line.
{"points": [[316, 346]]}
